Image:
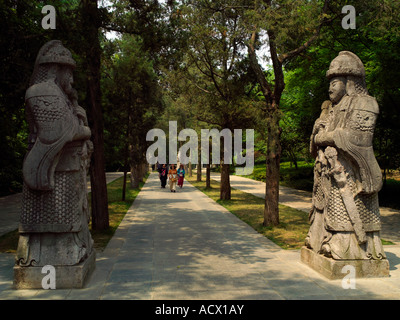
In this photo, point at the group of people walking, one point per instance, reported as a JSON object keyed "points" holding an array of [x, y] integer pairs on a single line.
{"points": [[174, 176]]}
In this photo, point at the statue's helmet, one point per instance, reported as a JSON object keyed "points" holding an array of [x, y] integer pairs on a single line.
{"points": [[54, 52], [346, 64]]}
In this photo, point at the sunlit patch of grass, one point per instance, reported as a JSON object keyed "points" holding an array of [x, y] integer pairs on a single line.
{"points": [[9, 242]]}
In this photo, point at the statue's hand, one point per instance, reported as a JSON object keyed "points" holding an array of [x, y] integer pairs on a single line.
{"points": [[324, 139], [83, 133], [318, 126], [81, 114]]}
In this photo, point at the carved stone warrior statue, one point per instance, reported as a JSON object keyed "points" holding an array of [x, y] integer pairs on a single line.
{"points": [[54, 218], [345, 218]]}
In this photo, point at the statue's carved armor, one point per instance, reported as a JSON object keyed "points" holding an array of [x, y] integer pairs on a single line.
{"points": [[345, 218], [54, 218]]}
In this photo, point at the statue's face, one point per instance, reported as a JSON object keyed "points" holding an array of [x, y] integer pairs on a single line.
{"points": [[337, 89]]}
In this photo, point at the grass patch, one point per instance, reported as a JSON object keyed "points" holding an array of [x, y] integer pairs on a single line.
{"points": [[301, 178], [289, 234], [9, 242], [387, 242], [116, 210]]}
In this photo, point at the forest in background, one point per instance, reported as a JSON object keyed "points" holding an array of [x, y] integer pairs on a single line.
{"points": [[142, 63]]}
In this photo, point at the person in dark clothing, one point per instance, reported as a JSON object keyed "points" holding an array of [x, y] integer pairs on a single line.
{"points": [[163, 174]]}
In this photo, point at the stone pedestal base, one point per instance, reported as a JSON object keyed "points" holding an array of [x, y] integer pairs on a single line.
{"points": [[66, 277], [332, 269]]}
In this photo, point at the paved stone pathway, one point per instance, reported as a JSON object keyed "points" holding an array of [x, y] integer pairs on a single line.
{"points": [[183, 245], [10, 209]]}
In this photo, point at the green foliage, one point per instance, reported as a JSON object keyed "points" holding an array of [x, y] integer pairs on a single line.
{"points": [[376, 40], [20, 40], [197, 51], [300, 178], [212, 85], [22, 37], [132, 101]]}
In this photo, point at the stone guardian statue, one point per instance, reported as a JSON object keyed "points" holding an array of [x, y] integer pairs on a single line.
{"points": [[54, 219], [345, 219]]}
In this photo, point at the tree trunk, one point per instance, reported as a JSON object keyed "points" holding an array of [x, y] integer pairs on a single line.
{"points": [[208, 176], [208, 171], [199, 168], [145, 169], [272, 97], [271, 209], [225, 189], [124, 185], [100, 217], [272, 92], [135, 175], [190, 169], [293, 159], [126, 162]]}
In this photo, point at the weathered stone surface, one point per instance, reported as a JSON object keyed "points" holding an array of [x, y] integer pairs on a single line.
{"points": [[54, 218], [66, 277], [345, 217], [333, 269]]}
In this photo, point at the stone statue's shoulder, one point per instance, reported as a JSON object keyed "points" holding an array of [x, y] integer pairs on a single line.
{"points": [[43, 89], [366, 103]]}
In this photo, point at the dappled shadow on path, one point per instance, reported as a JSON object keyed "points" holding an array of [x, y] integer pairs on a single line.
{"points": [[185, 246], [391, 227]]}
